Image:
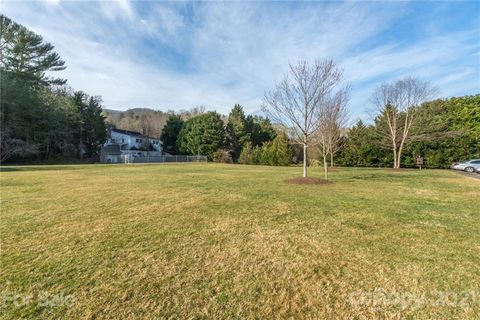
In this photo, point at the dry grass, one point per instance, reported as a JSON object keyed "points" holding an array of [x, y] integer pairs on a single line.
{"points": [[225, 241], [306, 180]]}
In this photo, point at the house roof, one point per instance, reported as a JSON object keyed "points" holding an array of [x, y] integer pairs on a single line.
{"points": [[133, 133], [130, 133]]}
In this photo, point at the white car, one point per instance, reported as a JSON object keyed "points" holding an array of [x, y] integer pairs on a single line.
{"points": [[467, 166]]}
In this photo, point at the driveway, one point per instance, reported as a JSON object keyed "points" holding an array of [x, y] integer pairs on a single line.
{"points": [[471, 175]]}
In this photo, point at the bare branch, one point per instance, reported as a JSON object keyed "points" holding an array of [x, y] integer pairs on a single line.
{"points": [[397, 103], [297, 99]]}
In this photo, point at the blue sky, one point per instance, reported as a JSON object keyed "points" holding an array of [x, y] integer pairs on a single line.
{"points": [[176, 55]]}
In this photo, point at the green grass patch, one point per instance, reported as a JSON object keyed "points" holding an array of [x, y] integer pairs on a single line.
{"points": [[232, 241]]}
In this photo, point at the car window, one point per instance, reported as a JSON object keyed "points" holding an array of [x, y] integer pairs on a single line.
{"points": [[475, 162]]}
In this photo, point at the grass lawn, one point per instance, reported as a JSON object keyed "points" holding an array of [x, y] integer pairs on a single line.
{"points": [[229, 241]]}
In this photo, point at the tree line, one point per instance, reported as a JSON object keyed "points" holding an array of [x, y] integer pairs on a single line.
{"points": [[310, 103], [41, 117], [306, 118], [241, 138], [444, 131]]}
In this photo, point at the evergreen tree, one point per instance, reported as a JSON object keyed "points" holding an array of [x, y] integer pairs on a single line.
{"points": [[282, 150], [362, 148], [236, 134], [92, 130], [272, 153], [259, 130], [21, 115], [202, 135], [246, 153], [25, 55], [170, 133], [41, 121], [447, 130]]}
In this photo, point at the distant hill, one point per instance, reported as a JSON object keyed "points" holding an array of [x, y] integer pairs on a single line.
{"points": [[114, 113], [145, 120]]}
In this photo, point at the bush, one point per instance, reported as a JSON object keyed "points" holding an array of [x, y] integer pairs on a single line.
{"points": [[273, 153], [245, 154], [202, 135], [222, 156]]}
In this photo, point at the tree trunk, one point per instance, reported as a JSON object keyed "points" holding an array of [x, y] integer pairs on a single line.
{"points": [[399, 154], [400, 149], [394, 156], [304, 160], [47, 149], [331, 159], [81, 141], [325, 166]]}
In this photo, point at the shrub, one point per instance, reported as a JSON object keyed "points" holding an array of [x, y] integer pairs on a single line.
{"points": [[222, 156], [273, 153], [245, 154]]}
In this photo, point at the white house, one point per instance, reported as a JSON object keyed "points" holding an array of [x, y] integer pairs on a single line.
{"points": [[131, 140], [122, 143]]}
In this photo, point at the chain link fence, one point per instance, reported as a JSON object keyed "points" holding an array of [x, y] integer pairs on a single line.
{"points": [[129, 158]]}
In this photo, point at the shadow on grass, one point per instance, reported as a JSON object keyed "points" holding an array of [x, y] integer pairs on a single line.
{"points": [[377, 177], [307, 181], [38, 168]]}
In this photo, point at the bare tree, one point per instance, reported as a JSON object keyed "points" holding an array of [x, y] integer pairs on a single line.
{"points": [[397, 103], [337, 122], [333, 118], [296, 101]]}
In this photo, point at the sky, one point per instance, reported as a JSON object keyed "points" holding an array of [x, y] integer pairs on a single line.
{"points": [[178, 55]]}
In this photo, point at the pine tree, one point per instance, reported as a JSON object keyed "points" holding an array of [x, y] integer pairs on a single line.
{"points": [[92, 131], [170, 133], [235, 132], [25, 55], [259, 130], [202, 135], [246, 153]]}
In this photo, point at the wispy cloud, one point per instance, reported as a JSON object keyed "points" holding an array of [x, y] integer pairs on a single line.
{"points": [[178, 55]]}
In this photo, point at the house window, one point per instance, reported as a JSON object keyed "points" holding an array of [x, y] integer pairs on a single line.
{"points": [[139, 140], [113, 140], [123, 140]]}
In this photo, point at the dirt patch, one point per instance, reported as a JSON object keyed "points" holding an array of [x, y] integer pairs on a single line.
{"points": [[308, 180]]}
